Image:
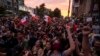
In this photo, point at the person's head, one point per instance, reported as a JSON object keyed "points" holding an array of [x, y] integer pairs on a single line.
{"points": [[48, 45], [2, 27], [86, 30], [45, 37], [38, 43], [80, 25], [56, 44], [20, 33], [9, 33]]}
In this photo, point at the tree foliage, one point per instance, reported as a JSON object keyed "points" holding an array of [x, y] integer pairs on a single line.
{"points": [[57, 12], [42, 10]]}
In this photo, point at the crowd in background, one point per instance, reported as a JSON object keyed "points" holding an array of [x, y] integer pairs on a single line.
{"points": [[60, 37]]}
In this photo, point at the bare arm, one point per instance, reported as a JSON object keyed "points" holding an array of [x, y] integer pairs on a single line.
{"points": [[85, 43], [77, 48], [71, 42], [85, 46]]}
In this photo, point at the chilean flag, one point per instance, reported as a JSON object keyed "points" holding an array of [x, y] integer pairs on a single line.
{"points": [[47, 19], [23, 20]]}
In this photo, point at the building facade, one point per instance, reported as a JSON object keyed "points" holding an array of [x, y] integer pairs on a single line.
{"points": [[81, 7], [1, 3], [21, 2], [75, 7], [95, 10], [12, 5], [21, 5], [87, 8], [84, 7]]}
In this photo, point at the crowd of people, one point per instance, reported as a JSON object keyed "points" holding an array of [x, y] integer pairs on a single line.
{"points": [[60, 37]]}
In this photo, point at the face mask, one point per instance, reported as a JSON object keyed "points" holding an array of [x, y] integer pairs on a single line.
{"points": [[56, 46]]}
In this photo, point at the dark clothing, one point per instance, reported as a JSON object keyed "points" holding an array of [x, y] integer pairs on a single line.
{"points": [[9, 44], [46, 52], [31, 42]]}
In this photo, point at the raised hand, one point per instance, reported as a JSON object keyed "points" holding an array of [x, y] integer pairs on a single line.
{"points": [[86, 30]]}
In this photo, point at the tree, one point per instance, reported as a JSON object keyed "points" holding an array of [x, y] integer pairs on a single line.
{"points": [[50, 13], [42, 5], [36, 10], [42, 10], [57, 12]]}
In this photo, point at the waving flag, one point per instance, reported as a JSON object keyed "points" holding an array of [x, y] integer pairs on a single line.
{"points": [[23, 20], [47, 19]]}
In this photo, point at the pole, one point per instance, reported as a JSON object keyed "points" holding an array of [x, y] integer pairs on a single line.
{"points": [[69, 8]]}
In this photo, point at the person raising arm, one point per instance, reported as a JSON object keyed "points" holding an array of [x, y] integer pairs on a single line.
{"points": [[70, 50], [85, 43]]}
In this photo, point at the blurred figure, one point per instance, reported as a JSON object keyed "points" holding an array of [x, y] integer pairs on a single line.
{"points": [[37, 49]]}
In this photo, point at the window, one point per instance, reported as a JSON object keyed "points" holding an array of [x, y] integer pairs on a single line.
{"points": [[8, 3]]}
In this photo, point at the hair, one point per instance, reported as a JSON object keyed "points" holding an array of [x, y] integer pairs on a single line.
{"points": [[41, 44]]}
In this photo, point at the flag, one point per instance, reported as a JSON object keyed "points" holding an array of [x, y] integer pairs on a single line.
{"points": [[34, 17], [23, 20], [47, 19]]}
